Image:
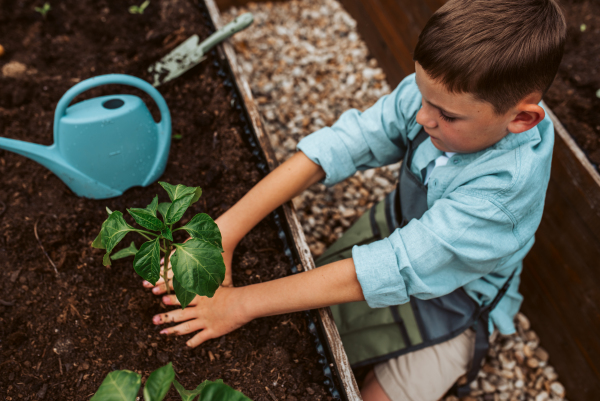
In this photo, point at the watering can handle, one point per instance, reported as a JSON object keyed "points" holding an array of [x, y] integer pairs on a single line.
{"points": [[122, 79]]}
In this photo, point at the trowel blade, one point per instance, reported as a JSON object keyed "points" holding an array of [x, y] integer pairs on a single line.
{"points": [[179, 60]]}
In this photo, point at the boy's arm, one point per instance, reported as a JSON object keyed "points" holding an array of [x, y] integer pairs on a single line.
{"points": [[232, 307]]}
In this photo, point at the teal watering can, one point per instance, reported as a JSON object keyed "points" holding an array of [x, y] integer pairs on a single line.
{"points": [[105, 145]]}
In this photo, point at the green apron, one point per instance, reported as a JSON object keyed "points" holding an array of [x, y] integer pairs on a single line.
{"points": [[373, 335]]}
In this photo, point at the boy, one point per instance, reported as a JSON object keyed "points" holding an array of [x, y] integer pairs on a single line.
{"points": [[443, 253]]}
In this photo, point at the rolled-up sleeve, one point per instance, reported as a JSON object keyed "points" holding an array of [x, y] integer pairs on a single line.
{"points": [[461, 238], [362, 140]]}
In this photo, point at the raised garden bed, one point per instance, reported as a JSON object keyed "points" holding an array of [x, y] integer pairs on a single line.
{"points": [[60, 335]]}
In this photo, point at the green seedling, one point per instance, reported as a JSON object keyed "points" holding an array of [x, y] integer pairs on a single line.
{"points": [[139, 9], [582, 27], [124, 385], [43, 10], [197, 264], [177, 136]]}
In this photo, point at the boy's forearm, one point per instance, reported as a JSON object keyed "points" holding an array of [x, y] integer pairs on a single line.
{"points": [[328, 285], [280, 186]]}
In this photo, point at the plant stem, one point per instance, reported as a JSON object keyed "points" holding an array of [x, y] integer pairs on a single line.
{"points": [[166, 264], [142, 232]]}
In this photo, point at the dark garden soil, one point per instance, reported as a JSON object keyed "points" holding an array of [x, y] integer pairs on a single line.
{"points": [[60, 336], [572, 96]]}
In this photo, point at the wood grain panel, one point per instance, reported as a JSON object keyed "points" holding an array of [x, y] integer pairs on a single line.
{"points": [[561, 278]]}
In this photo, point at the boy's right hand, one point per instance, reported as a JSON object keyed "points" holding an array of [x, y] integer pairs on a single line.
{"points": [[161, 288]]}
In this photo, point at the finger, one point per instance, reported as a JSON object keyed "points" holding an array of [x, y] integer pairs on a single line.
{"points": [[148, 284], [161, 288], [172, 300], [174, 316], [184, 328], [199, 338]]}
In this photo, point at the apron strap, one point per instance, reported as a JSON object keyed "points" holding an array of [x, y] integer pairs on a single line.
{"points": [[482, 342]]}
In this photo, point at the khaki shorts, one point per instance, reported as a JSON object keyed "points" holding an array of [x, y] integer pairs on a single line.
{"points": [[427, 374]]}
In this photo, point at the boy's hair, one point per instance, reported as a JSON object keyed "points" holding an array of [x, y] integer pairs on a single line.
{"points": [[497, 50]]}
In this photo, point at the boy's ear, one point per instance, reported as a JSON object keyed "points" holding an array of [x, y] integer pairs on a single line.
{"points": [[528, 115]]}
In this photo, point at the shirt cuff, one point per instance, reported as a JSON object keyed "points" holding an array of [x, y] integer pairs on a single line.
{"points": [[326, 149], [380, 278]]}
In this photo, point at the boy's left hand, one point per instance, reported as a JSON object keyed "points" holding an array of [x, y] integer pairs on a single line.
{"points": [[215, 316]]}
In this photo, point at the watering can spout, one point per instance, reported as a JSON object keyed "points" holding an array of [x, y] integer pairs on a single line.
{"points": [[49, 157]]}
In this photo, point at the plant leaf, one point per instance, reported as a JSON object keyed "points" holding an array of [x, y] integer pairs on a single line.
{"points": [[167, 233], [203, 227], [147, 261], [183, 296], [106, 259], [153, 206], [163, 208], [189, 395], [98, 241], [119, 385], [178, 191], [158, 384], [115, 229], [146, 219], [198, 266], [178, 208], [218, 391], [131, 250]]}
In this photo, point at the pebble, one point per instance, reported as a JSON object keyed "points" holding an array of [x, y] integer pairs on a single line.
{"points": [[557, 389], [13, 69], [533, 363], [542, 396], [306, 65]]}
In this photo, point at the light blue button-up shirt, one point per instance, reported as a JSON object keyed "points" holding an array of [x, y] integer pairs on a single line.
{"points": [[484, 207]]}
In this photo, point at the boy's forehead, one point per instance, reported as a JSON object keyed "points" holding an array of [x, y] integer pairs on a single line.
{"points": [[435, 93]]}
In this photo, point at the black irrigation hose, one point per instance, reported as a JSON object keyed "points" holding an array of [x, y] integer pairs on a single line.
{"points": [[333, 381]]}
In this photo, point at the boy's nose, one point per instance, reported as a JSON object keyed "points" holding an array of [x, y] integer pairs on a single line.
{"points": [[424, 119]]}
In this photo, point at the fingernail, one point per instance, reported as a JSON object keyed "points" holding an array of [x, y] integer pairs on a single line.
{"points": [[156, 319], [163, 332], [155, 290], [166, 300]]}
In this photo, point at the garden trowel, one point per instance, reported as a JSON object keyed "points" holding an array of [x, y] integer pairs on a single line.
{"points": [[190, 53]]}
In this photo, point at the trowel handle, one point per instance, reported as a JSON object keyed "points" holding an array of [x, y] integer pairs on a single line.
{"points": [[122, 79], [238, 24]]}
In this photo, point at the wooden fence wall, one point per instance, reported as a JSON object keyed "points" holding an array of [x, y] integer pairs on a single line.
{"points": [[561, 279]]}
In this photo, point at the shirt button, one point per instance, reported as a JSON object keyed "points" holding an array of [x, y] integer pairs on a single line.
{"points": [[456, 161], [434, 182]]}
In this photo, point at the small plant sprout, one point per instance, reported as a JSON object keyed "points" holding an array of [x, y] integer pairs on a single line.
{"points": [[124, 385], [197, 264], [582, 27], [139, 9], [43, 10]]}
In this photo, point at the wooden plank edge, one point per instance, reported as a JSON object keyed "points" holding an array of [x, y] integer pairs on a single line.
{"points": [[331, 331], [575, 149]]}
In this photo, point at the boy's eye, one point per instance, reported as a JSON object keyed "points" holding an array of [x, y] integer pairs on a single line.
{"points": [[446, 118]]}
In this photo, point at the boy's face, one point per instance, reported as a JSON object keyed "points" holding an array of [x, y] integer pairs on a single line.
{"points": [[458, 122]]}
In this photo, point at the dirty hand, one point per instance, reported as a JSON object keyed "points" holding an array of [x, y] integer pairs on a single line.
{"points": [[214, 316]]}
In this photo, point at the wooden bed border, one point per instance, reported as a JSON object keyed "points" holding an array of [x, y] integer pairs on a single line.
{"points": [[333, 337]]}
